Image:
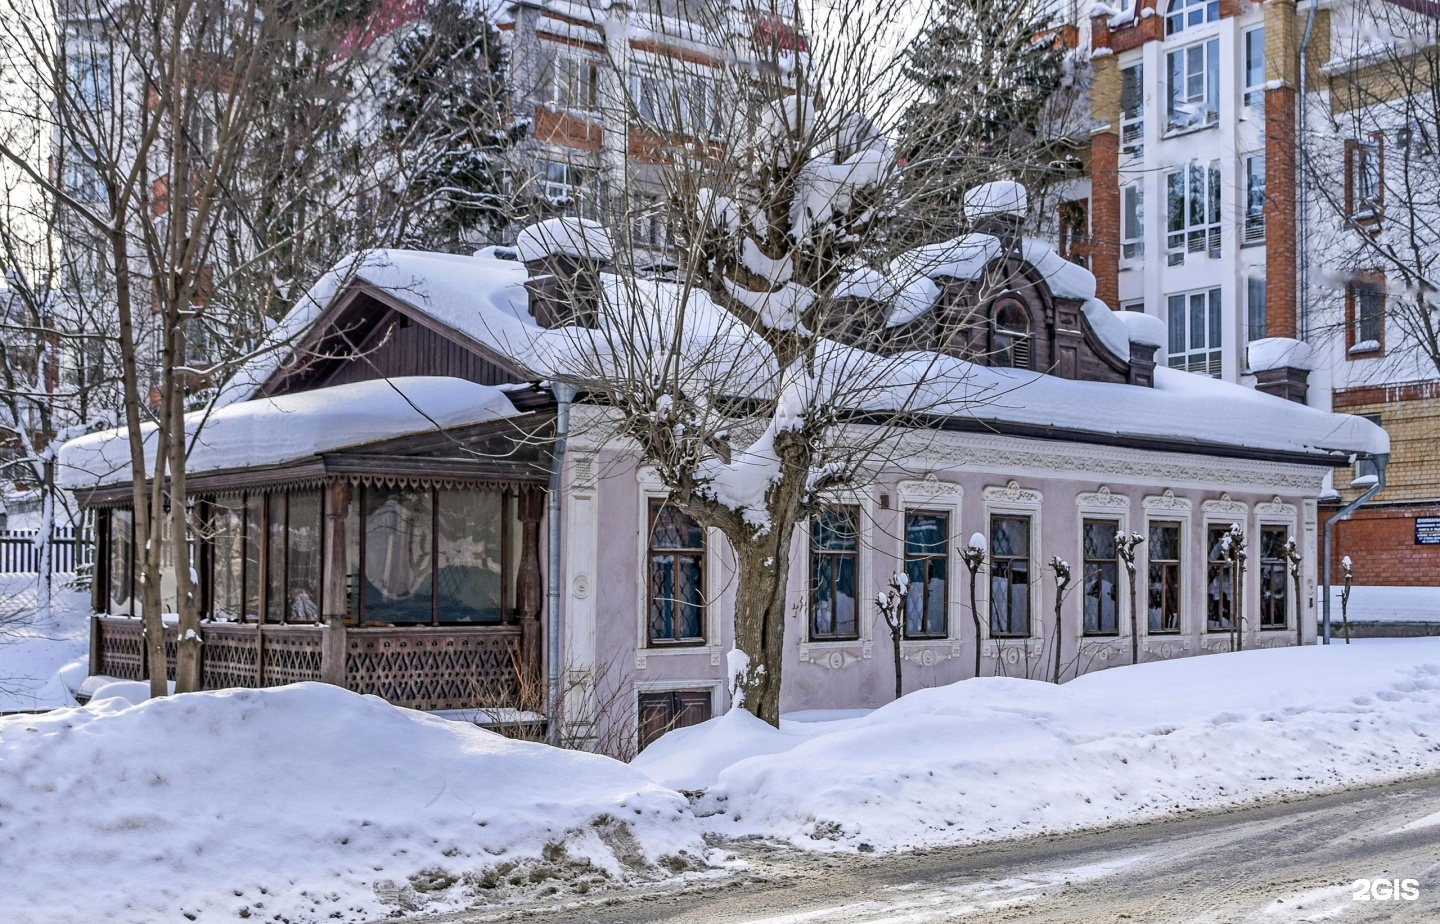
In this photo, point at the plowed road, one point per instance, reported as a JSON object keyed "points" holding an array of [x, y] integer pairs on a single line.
{"points": [[1278, 863]]}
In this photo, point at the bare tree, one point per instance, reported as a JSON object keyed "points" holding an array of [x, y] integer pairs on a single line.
{"points": [[891, 604], [1371, 164], [1062, 586]]}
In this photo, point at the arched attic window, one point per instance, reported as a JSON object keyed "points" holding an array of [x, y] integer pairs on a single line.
{"points": [[1010, 335]]}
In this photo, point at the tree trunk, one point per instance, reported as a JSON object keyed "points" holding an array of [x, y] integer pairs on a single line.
{"points": [[896, 632], [1134, 620], [762, 570], [188, 651], [1059, 637]]}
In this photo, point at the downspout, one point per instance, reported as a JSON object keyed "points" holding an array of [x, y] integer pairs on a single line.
{"points": [[1382, 459], [1303, 217], [564, 394]]}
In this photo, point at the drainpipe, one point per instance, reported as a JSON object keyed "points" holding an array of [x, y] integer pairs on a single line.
{"points": [[1303, 231], [564, 394], [1381, 460]]}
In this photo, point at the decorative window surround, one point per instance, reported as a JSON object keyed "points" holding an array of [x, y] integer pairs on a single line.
{"points": [[931, 493], [1167, 507], [1013, 499], [838, 655], [652, 487], [1276, 512], [1222, 511]]}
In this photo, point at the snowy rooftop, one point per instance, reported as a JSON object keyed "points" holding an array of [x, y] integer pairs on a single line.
{"points": [[289, 428], [484, 298]]}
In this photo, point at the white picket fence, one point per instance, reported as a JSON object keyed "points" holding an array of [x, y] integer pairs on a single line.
{"points": [[69, 550]]}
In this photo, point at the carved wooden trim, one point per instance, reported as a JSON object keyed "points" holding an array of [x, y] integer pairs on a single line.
{"points": [[1276, 508], [1167, 501], [1225, 505], [1102, 498], [929, 488], [1012, 493]]}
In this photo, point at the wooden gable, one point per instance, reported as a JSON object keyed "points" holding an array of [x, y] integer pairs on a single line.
{"points": [[366, 334]]}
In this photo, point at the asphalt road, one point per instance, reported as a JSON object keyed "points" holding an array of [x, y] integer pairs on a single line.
{"points": [[1278, 863]]}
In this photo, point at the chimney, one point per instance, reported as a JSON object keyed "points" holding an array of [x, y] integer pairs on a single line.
{"points": [[1281, 366], [998, 209], [564, 257]]}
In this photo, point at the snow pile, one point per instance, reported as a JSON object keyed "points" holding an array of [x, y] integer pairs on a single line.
{"points": [[1004, 197], [1278, 353], [287, 428], [992, 758], [301, 803], [37, 648], [573, 237], [1145, 329]]}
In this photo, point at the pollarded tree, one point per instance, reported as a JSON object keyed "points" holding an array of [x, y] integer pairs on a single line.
{"points": [[446, 122], [764, 378]]}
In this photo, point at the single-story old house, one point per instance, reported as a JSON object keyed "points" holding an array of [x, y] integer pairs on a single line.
{"points": [[377, 510]]}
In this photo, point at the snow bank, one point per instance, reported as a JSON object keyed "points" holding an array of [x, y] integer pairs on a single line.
{"points": [[992, 758], [287, 428], [36, 647], [303, 802], [1279, 352]]}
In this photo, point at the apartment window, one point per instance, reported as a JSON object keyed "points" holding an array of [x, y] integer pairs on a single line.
{"points": [[1254, 42], [1132, 221], [1194, 319], [677, 576], [1274, 578], [568, 187], [1365, 177], [1163, 577], [89, 77], [576, 83], [1009, 576], [834, 566], [1132, 109], [1254, 232], [1193, 97], [1365, 315], [1101, 577], [1133, 306], [1193, 203], [1219, 593], [647, 92], [664, 710], [81, 177], [1187, 14], [927, 564], [1254, 308]]}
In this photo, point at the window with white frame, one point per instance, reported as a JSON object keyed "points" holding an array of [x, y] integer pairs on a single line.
{"points": [[1193, 93], [1193, 203], [1254, 232], [568, 187], [1194, 319], [1187, 14], [1132, 109], [88, 73], [1255, 307], [1254, 42], [576, 84], [1132, 220]]}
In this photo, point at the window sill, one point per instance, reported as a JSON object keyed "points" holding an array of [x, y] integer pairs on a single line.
{"points": [[644, 652], [1365, 349], [1188, 130], [1245, 244]]}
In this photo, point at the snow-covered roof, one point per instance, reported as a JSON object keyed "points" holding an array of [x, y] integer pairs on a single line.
{"points": [[292, 427], [484, 299]]}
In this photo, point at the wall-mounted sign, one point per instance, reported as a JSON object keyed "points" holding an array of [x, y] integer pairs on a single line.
{"points": [[1427, 530]]}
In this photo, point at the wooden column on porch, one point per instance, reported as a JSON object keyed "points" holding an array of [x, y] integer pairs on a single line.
{"points": [[333, 594], [529, 591]]}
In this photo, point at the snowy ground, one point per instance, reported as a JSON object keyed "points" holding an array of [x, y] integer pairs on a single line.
{"points": [[997, 758], [306, 803], [1388, 604], [34, 647]]}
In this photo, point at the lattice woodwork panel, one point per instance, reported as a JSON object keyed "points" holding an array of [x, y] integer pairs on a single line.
{"points": [[435, 668], [122, 649], [230, 657], [291, 656]]}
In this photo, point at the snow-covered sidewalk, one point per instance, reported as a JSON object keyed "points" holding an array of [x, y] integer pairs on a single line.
{"points": [[35, 646], [305, 803], [995, 758]]}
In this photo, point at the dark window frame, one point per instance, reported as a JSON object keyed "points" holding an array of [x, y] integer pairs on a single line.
{"points": [[1002, 567], [654, 507], [1219, 602], [1359, 154], [1361, 287], [925, 560], [1099, 567], [834, 557], [1167, 573], [1273, 570]]}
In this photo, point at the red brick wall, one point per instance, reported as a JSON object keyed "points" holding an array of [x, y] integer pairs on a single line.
{"points": [[1381, 544], [1280, 315], [1105, 216]]}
